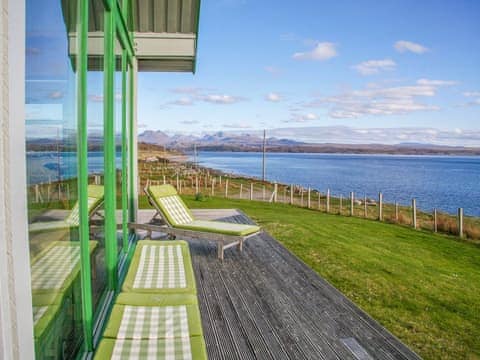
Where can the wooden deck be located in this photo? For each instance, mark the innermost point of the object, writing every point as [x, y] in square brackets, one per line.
[265, 303]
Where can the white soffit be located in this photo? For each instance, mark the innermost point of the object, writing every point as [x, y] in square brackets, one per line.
[166, 34]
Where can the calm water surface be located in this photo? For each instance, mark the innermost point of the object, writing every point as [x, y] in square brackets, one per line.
[444, 182]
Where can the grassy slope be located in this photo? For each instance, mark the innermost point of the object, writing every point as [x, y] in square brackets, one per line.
[424, 288]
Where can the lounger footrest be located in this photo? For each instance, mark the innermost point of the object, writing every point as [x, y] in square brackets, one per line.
[189, 348]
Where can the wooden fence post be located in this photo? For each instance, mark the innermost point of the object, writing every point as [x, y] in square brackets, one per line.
[164, 180]
[365, 211]
[328, 201]
[460, 222]
[341, 205]
[196, 184]
[37, 194]
[414, 213]
[380, 206]
[220, 183]
[178, 185]
[213, 186]
[284, 194]
[291, 194]
[241, 190]
[263, 192]
[309, 199]
[396, 211]
[319, 197]
[352, 199]
[301, 197]
[275, 190]
[435, 220]
[251, 191]
[226, 188]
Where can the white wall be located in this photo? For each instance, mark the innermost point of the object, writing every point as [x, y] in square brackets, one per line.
[16, 328]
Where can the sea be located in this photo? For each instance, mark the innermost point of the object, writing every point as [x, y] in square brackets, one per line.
[442, 182]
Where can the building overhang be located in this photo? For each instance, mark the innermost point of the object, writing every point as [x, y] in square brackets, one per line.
[165, 51]
[165, 34]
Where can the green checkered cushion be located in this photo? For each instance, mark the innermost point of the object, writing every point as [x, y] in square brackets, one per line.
[50, 226]
[153, 322]
[185, 348]
[160, 267]
[220, 227]
[95, 197]
[171, 205]
[54, 269]
[38, 312]
[150, 316]
[45, 311]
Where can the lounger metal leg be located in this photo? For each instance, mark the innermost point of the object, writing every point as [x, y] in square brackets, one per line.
[220, 250]
[240, 245]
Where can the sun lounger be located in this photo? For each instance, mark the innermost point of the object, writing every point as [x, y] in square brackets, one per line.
[179, 221]
[95, 201]
[157, 315]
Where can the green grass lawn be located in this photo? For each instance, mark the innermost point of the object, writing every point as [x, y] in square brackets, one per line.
[423, 287]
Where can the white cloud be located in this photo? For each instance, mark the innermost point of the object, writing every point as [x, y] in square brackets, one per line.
[404, 46]
[189, 122]
[436, 82]
[238, 125]
[349, 135]
[321, 52]
[222, 99]
[273, 97]
[187, 90]
[371, 67]
[472, 102]
[396, 100]
[184, 101]
[272, 70]
[472, 94]
[296, 117]
[56, 95]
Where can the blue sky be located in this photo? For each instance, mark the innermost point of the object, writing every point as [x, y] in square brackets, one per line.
[335, 64]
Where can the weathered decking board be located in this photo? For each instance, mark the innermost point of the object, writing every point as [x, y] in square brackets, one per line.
[264, 303]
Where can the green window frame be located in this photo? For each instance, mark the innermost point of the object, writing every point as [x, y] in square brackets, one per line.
[115, 24]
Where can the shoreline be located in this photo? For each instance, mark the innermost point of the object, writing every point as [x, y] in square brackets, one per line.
[214, 182]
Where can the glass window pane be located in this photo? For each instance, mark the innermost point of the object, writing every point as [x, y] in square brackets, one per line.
[51, 132]
[119, 133]
[96, 160]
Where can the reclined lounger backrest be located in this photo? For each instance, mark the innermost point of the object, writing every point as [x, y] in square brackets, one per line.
[95, 198]
[166, 199]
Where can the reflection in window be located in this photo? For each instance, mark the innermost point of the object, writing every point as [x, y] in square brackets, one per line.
[96, 158]
[51, 127]
[119, 118]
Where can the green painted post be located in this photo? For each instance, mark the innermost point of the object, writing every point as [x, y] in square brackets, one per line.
[109, 152]
[132, 167]
[85, 269]
[124, 154]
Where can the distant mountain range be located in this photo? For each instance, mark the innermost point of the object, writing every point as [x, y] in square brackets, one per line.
[230, 141]
[235, 141]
